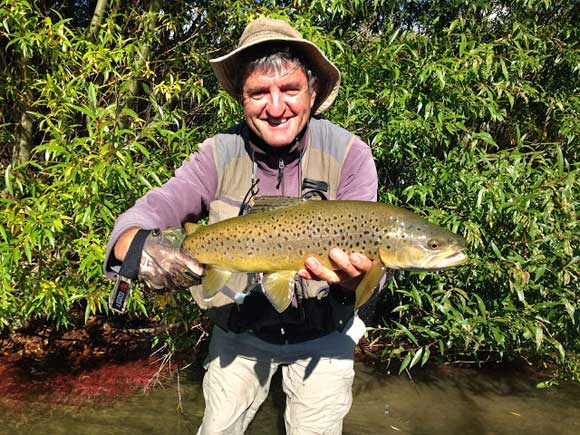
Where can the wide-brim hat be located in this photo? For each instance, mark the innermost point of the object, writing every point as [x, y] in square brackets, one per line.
[271, 31]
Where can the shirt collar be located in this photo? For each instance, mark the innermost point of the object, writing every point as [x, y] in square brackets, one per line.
[269, 155]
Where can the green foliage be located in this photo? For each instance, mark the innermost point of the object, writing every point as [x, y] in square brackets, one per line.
[472, 110]
[518, 298]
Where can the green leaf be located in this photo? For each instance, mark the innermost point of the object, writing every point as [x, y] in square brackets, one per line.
[484, 136]
[481, 305]
[539, 334]
[8, 179]
[496, 250]
[570, 309]
[27, 250]
[92, 94]
[406, 332]
[416, 357]
[426, 355]
[560, 348]
[400, 308]
[405, 362]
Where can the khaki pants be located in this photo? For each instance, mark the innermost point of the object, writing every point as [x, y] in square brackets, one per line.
[317, 379]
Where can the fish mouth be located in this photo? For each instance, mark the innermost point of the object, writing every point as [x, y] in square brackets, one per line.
[456, 258]
[419, 259]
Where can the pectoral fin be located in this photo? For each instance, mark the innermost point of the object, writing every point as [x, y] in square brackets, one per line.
[213, 280]
[279, 288]
[370, 281]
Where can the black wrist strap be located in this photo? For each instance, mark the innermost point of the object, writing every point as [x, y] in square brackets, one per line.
[130, 266]
[129, 271]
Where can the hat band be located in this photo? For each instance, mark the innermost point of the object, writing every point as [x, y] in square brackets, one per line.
[265, 36]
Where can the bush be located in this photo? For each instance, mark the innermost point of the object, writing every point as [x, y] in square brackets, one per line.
[471, 108]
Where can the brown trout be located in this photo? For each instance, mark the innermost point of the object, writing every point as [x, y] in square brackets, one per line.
[279, 234]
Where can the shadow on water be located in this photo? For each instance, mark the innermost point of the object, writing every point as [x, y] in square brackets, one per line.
[461, 401]
[437, 401]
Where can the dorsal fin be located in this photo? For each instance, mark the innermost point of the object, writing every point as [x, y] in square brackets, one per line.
[267, 203]
[190, 228]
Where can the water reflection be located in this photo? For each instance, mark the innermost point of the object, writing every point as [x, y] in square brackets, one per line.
[459, 401]
[442, 401]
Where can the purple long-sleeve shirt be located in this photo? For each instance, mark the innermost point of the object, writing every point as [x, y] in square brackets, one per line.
[187, 195]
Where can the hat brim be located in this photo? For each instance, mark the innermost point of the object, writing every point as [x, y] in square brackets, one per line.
[227, 69]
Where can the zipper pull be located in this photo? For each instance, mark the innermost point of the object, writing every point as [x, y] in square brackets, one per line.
[280, 176]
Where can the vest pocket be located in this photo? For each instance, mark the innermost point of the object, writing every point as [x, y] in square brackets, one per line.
[220, 210]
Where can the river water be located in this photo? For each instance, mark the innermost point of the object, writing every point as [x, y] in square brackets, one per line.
[436, 401]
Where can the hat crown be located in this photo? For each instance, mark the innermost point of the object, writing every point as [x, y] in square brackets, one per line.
[263, 29]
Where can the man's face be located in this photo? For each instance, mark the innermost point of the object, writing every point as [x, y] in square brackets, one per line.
[277, 104]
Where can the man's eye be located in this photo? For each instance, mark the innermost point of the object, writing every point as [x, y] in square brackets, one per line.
[292, 91]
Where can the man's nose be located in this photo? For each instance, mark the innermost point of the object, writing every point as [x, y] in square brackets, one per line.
[276, 105]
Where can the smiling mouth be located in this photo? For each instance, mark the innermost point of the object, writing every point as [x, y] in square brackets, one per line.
[276, 123]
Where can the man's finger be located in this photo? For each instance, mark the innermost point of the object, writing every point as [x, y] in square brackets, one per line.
[305, 274]
[344, 262]
[361, 262]
[319, 271]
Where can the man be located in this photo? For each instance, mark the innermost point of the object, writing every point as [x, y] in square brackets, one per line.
[281, 80]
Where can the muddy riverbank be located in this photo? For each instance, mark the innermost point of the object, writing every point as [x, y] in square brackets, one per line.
[102, 360]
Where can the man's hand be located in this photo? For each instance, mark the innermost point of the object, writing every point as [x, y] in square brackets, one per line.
[164, 265]
[351, 269]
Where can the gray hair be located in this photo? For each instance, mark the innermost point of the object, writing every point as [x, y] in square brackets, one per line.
[274, 59]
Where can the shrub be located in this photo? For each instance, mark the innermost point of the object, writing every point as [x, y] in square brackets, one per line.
[471, 108]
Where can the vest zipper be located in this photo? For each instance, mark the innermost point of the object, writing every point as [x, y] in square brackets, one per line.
[280, 176]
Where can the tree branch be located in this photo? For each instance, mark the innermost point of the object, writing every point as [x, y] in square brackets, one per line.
[100, 9]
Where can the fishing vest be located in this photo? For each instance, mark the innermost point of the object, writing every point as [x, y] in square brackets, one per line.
[322, 160]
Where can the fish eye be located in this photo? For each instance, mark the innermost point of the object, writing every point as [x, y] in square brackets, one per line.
[433, 244]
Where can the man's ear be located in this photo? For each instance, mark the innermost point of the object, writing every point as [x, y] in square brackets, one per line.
[313, 93]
